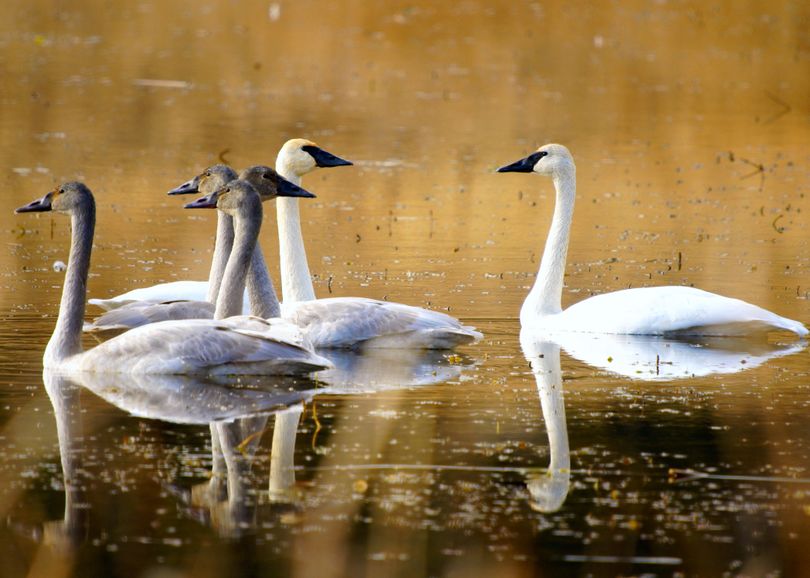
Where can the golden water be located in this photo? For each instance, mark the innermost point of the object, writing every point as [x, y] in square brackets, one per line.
[689, 124]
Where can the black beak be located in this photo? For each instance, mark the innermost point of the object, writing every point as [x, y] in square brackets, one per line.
[287, 189]
[525, 165]
[324, 159]
[38, 206]
[207, 202]
[187, 188]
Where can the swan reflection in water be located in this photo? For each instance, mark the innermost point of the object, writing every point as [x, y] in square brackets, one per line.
[237, 417]
[231, 412]
[646, 358]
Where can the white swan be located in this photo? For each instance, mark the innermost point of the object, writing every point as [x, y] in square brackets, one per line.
[345, 322]
[641, 311]
[238, 345]
[259, 297]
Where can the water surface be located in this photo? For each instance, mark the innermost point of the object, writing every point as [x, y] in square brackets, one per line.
[689, 125]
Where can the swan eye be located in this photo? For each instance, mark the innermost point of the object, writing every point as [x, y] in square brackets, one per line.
[266, 176]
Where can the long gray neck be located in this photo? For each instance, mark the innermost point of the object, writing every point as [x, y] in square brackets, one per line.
[66, 339]
[296, 281]
[65, 398]
[246, 231]
[222, 249]
[262, 293]
[545, 298]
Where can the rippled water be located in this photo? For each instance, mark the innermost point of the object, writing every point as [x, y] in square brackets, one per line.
[689, 125]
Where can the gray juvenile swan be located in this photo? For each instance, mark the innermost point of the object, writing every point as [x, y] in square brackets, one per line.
[240, 345]
[260, 295]
[642, 311]
[343, 322]
[213, 178]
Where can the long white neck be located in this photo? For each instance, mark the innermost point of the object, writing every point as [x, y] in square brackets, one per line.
[548, 375]
[296, 282]
[66, 339]
[545, 298]
[222, 249]
[550, 490]
[246, 231]
[261, 291]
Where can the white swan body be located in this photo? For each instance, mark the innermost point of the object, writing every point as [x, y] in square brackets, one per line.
[346, 321]
[194, 346]
[670, 311]
[642, 311]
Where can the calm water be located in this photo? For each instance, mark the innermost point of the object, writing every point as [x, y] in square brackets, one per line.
[690, 128]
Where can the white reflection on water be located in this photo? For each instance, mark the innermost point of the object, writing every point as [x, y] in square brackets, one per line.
[646, 358]
[237, 417]
[651, 358]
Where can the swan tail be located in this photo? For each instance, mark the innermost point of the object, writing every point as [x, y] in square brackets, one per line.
[440, 338]
[106, 304]
[796, 327]
[137, 314]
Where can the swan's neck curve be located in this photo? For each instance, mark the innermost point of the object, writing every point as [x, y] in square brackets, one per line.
[296, 282]
[66, 340]
[222, 249]
[261, 291]
[545, 297]
[246, 232]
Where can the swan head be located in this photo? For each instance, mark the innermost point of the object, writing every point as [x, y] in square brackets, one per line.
[551, 160]
[269, 184]
[301, 156]
[213, 178]
[65, 198]
[238, 199]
